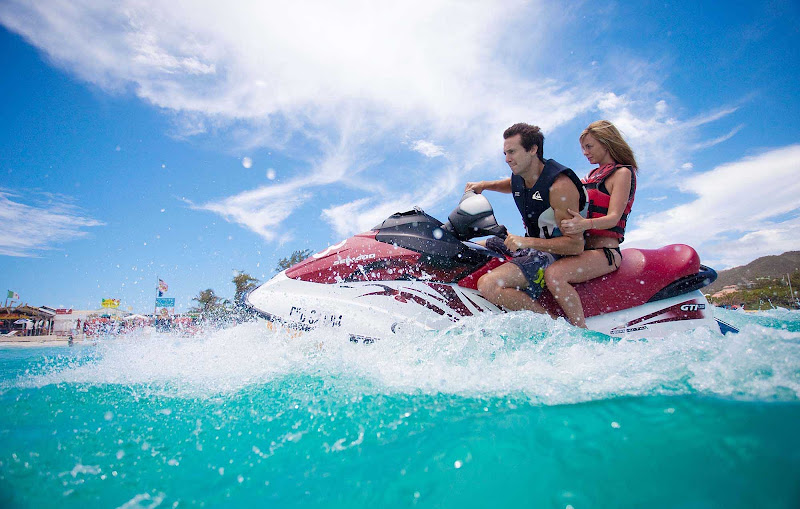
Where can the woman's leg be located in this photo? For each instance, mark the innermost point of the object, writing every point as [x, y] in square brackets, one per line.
[576, 269]
[500, 288]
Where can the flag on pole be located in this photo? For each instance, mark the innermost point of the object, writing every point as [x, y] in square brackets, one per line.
[162, 287]
[12, 295]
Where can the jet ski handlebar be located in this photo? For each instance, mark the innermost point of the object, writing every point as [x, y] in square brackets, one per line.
[474, 217]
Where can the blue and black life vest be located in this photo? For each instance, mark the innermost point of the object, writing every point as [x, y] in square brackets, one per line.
[534, 203]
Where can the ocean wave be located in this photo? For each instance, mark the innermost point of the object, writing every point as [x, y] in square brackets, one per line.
[522, 354]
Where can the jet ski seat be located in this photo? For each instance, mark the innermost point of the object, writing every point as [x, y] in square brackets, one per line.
[645, 275]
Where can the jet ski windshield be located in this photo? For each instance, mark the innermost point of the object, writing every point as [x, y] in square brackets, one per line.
[473, 217]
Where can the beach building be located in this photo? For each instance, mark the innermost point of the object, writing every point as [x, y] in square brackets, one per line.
[25, 320]
[726, 290]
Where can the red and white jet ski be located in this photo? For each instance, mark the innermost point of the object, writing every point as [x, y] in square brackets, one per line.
[413, 271]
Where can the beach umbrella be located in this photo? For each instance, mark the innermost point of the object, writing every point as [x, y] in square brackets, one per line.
[23, 320]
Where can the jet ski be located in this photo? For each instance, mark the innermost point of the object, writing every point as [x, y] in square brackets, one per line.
[413, 272]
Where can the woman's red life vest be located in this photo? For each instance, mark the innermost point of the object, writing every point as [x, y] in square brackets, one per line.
[599, 199]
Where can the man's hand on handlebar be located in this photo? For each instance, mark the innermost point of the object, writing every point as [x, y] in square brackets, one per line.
[513, 242]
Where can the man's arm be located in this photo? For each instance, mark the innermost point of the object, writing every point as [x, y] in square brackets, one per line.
[500, 186]
[563, 195]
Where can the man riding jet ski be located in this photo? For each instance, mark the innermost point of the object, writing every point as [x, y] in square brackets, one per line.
[414, 272]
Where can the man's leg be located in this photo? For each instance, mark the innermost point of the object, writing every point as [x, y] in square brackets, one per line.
[500, 287]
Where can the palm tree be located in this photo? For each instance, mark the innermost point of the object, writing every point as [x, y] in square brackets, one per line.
[244, 282]
[294, 259]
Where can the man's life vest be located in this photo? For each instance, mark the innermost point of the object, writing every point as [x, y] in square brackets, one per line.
[534, 203]
[600, 198]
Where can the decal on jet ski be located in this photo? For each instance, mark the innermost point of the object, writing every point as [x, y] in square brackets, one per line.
[313, 317]
[359, 258]
[480, 309]
[688, 310]
[330, 249]
[451, 297]
[446, 296]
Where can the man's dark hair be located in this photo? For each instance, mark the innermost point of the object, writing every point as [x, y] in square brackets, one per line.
[531, 135]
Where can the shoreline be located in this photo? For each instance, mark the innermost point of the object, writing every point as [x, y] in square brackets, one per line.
[42, 341]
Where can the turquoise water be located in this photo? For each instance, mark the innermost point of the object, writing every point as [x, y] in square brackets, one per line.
[486, 415]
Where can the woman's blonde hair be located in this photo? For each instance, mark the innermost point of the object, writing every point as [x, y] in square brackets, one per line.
[609, 136]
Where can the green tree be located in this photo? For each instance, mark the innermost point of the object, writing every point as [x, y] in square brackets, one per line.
[244, 282]
[764, 293]
[240, 312]
[295, 258]
[210, 305]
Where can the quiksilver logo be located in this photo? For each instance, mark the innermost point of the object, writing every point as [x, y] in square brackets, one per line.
[537, 196]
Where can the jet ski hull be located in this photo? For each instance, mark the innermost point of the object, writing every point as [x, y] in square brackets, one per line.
[382, 309]
[376, 309]
[413, 272]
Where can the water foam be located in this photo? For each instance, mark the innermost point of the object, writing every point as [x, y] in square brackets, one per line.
[519, 354]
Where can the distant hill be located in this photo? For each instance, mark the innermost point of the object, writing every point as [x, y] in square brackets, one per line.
[766, 266]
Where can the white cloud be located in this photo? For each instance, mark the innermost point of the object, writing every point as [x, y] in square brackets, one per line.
[660, 139]
[742, 210]
[427, 148]
[29, 229]
[340, 84]
[775, 239]
[362, 214]
[350, 218]
[261, 210]
[718, 140]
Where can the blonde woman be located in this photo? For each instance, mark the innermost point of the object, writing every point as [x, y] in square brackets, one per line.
[610, 188]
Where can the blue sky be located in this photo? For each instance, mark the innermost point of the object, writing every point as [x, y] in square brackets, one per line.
[187, 141]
